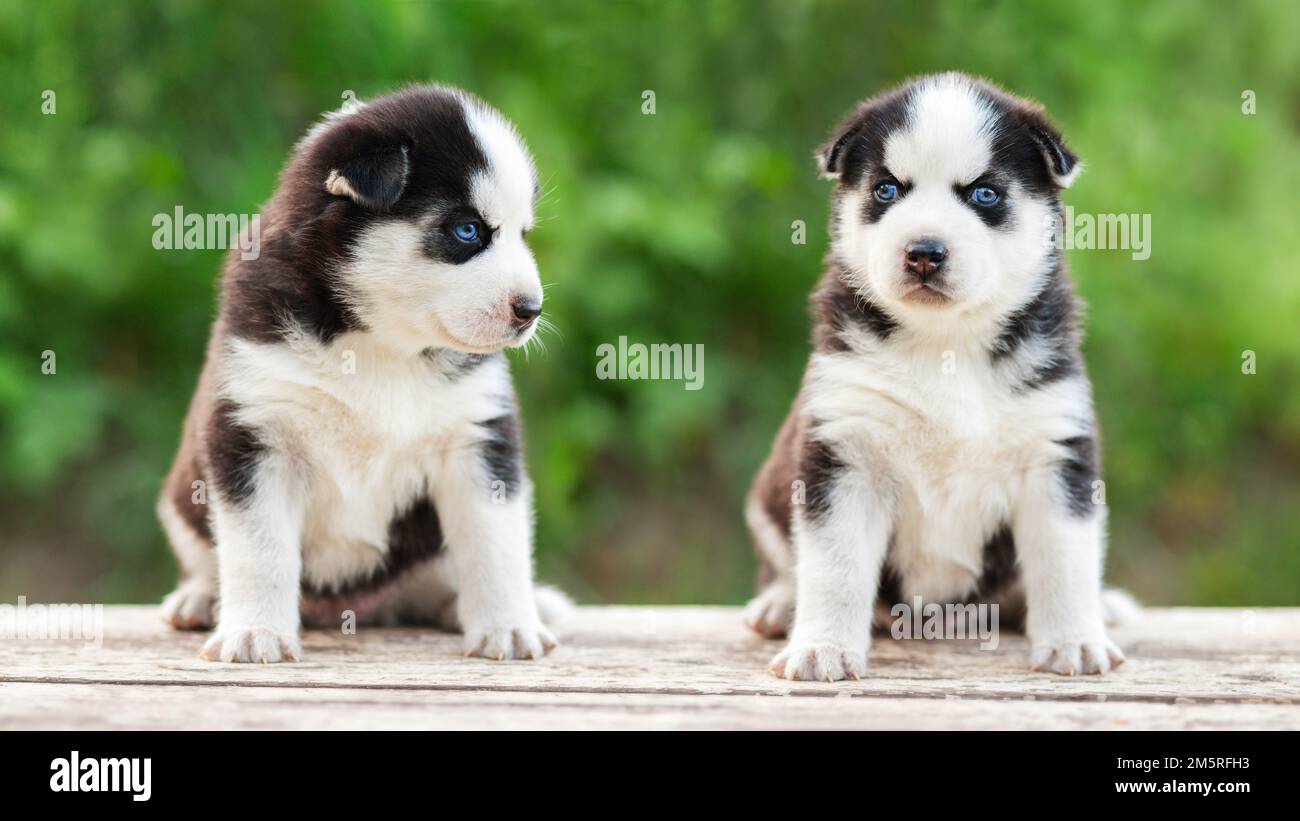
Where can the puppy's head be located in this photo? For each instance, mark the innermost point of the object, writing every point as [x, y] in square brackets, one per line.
[418, 205]
[945, 190]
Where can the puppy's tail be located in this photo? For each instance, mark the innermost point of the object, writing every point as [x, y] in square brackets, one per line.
[553, 606]
[1118, 607]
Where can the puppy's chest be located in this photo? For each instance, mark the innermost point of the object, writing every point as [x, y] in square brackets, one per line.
[356, 432]
[928, 419]
[368, 440]
[953, 448]
[375, 459]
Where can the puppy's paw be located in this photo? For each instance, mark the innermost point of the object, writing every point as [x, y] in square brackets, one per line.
[192, 606]
[501, 643]
[251, 644]
[1094, 655]
[771, 612]
[801, 661]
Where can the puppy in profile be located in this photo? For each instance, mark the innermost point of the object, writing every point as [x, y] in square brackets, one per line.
[353, 446]
[943, 443]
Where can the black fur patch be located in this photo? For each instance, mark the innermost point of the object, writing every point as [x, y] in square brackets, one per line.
[838, 307]
[264, 296]
[1077, 472]
[455, 364]
[890, 589]
[233, 452]
[414, 536]
[999, 564]
[378, 177]
[1053, 147]
[1050, 318]
[819, 467]
[1018, 142]
[858, 148]
[503, 452]
[415, 532]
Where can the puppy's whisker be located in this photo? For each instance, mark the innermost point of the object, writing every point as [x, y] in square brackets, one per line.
[545, 326]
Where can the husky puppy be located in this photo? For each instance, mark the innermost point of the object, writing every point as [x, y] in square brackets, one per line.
[353, 445]
[943, 443]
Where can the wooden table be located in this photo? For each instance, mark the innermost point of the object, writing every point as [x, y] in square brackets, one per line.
[655, 668]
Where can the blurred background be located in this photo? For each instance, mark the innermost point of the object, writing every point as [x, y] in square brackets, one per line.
[671, 227]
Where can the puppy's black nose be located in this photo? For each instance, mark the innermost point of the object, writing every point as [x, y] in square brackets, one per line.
[525, 311]
[925, 257]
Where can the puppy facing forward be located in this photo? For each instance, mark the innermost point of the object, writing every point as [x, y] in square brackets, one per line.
[943, 443]
[353, 450]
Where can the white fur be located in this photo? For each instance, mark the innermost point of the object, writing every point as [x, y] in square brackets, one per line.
[839, 561]
[505, 193]
[260, 568]
[422, 303]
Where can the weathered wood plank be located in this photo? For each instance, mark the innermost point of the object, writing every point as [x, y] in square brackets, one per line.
[656, 667]
[226, 707]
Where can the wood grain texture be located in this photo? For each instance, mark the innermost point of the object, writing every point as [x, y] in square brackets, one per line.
[655, 668]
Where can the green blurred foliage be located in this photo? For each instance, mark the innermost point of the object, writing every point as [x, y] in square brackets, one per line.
[674, 227]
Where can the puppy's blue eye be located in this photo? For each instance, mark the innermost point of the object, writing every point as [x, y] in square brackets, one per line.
[886, 192]
[466, 231]
[985, 196]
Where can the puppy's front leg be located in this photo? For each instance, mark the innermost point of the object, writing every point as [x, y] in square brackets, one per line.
[486, 512]
[1060, 541]
[840, 534]
[258, 531]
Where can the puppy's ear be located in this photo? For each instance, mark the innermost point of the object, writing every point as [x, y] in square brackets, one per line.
[830, 157]
[375, 180]
[862, 131]
[1062, 163]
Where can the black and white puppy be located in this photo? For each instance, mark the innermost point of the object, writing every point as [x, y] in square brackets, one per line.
[943, 443]
[353, 444]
